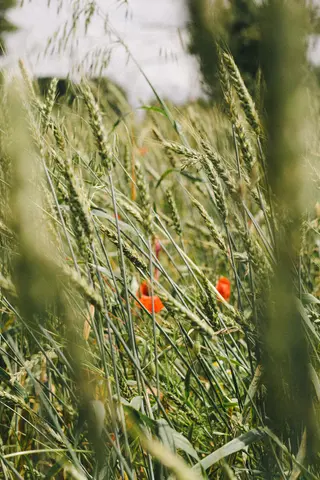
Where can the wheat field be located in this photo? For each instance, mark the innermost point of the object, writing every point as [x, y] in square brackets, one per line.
[159, 283]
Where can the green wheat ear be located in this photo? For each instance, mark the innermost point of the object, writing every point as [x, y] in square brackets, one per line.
[216, 235]
[174, 212]
[97, 127]
[243, 93]
[145, 200]
[79, 206]
[26, 78]
[7, 286]
[242, 138]
[49, 103]
[216, 187]
[131, 209]
[219, 165]
[129, 252]
[127, 163]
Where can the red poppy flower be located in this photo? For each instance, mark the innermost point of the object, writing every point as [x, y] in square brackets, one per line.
[146, 299]
[143, 290]
[224, 287]
[143, 151]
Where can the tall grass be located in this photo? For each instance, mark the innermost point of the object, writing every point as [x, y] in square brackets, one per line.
[125, 352]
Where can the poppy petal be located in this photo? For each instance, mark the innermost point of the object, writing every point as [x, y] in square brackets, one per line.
[158, 305]
[143, 289]
[224, 287]
[146, 301]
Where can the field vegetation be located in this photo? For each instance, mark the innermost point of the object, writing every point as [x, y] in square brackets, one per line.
[159, 276]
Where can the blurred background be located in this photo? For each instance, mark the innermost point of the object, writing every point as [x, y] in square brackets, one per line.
[155, 32]
[158, 34]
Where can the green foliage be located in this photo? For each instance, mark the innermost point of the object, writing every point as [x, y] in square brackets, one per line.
[207, 25]
[237, 25]
[244, 38]
[234, 23]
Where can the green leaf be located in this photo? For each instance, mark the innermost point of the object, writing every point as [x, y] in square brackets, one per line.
[252, 390]
[241, 256]
[177, 170]
[308, 299]
[141, 419]
[136, 402]
[239, 443]
[187, 381]
[54, 470]
[165, 174]
[306, 318]
[315, 380]
[182, 443]
[165, 434]
[175, 440]
[97, 212]
[191, 177]
[14, 386]
[4, 375]
[154, 109]
[278, 442]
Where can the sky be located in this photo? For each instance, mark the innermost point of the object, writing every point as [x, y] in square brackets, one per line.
[154, 30]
